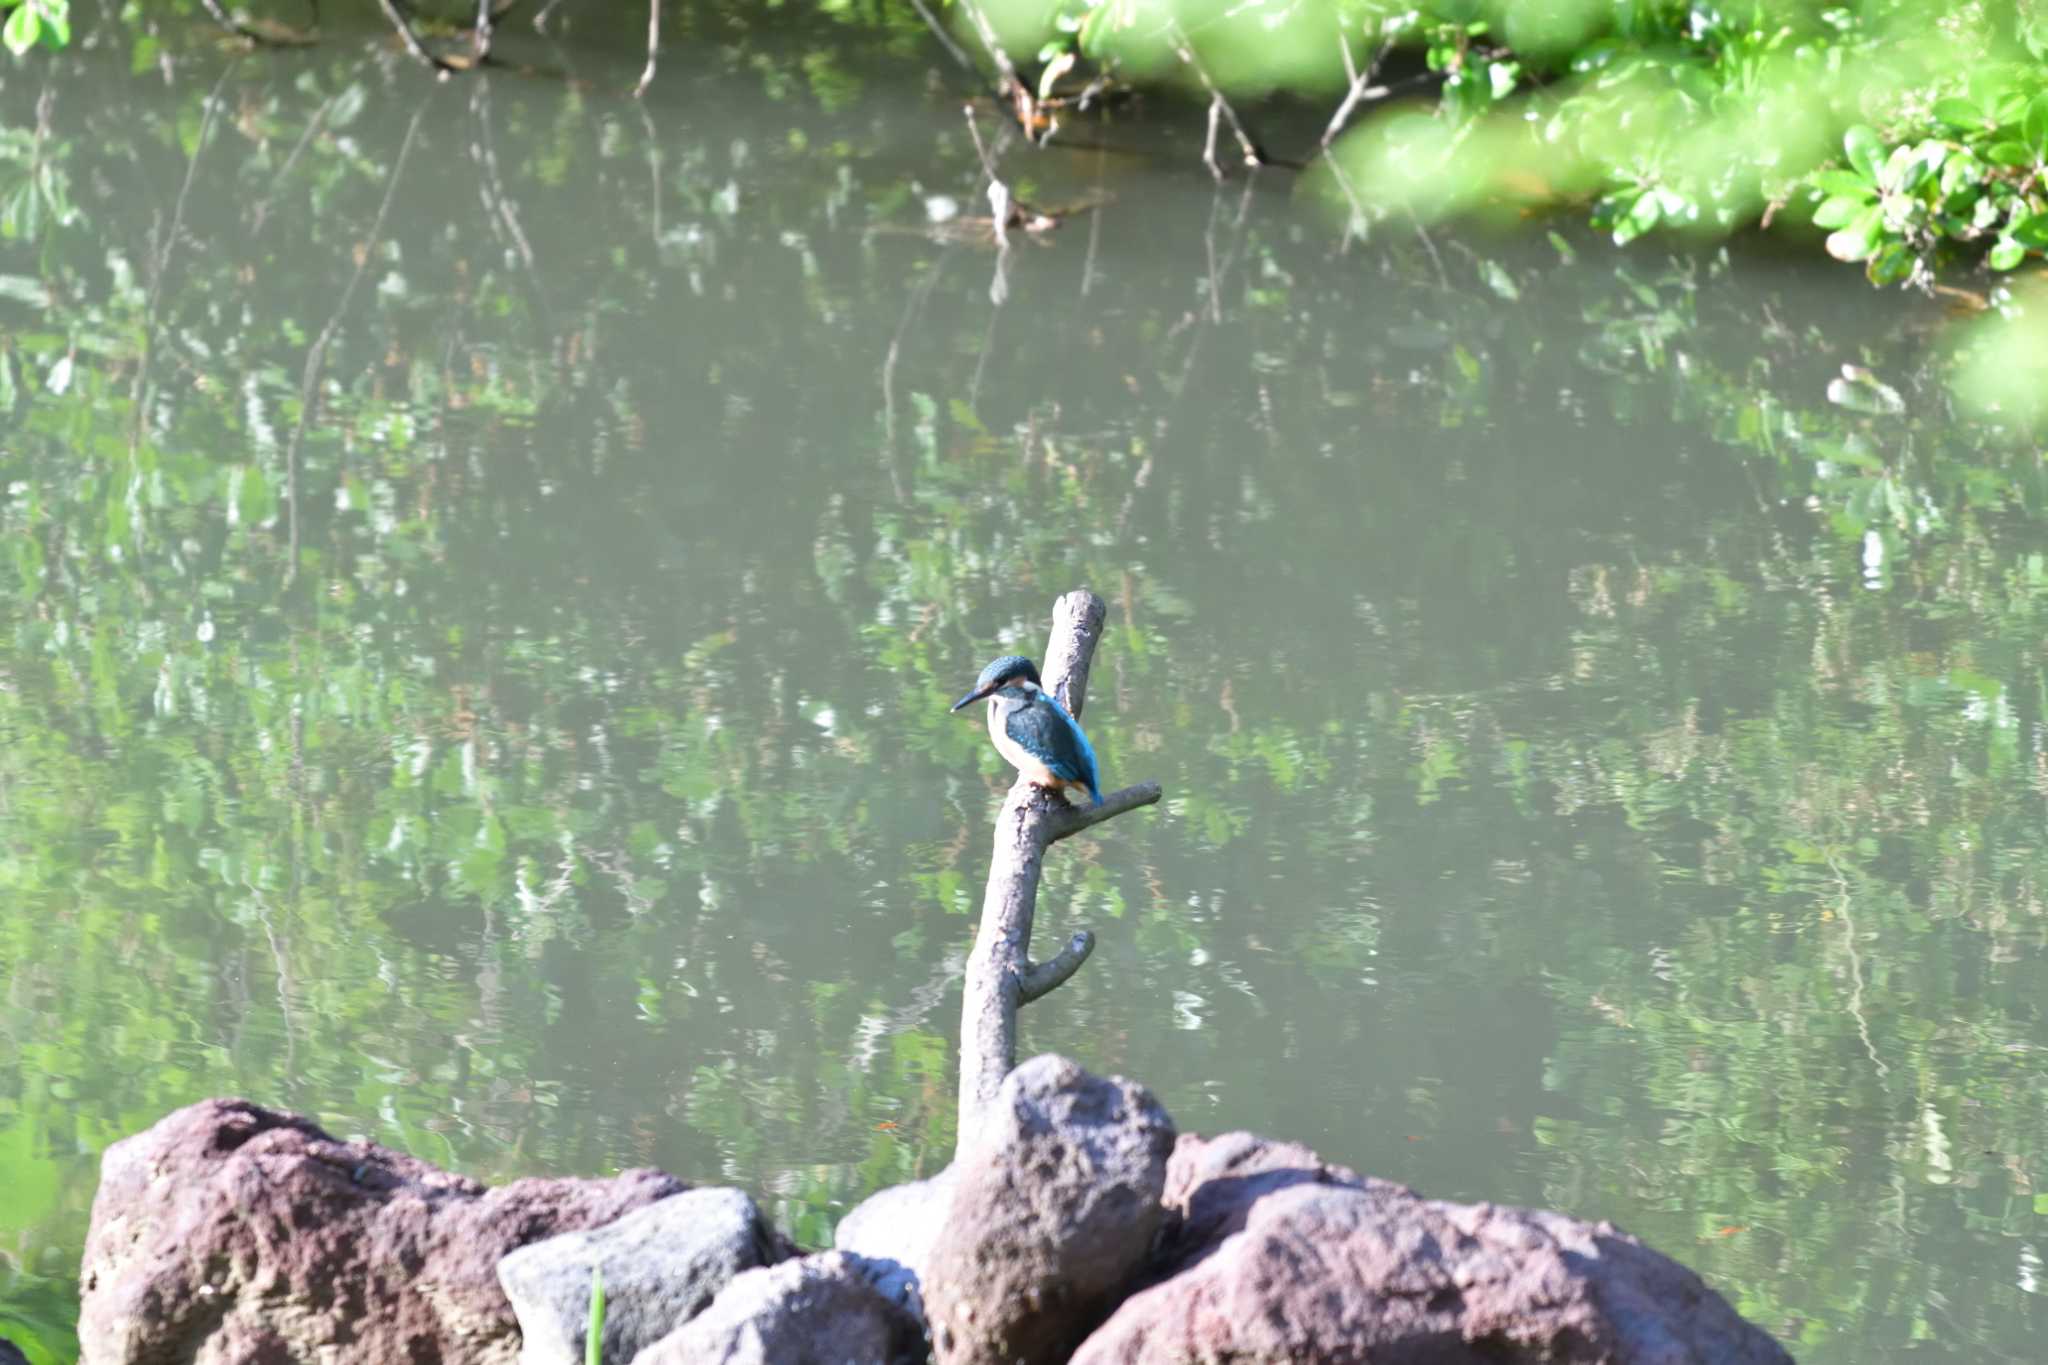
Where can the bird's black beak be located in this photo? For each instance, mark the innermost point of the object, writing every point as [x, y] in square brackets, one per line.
[972, 697]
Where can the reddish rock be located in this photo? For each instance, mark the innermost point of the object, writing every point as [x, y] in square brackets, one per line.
[1212, 1184]
[1272, 1257]
[229, 1233]
[1051, 1213]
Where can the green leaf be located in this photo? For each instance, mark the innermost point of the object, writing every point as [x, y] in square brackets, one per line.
[56, 22]
[1696, 83]
[1960, 114]
[1856, 241]
[24, 289]
[2035, 126]
[2006, 254]
[2000, 95]
[255, 499]
[2010, 154]
[2031, 232]
[1963, 172]
[1891, 264]
[22, 28]
[1866, 153]
[1834, 182]
[593, 1334]
[1927, 160]
[1498, 280]
[1838, 211]
[1095, 28]
[1057, 65]
[1640, 218]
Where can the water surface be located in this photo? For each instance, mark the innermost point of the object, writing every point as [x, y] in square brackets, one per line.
[486, 566]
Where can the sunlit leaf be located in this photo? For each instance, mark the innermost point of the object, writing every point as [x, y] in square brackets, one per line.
[1960, 114]
[1498, 280]
[1836, 182]
[23, 27]
[1866, 153]
[1858, 390]
[1840, 210]
[24, 289]
[2031, 231]
[1640, 218]
[2034, 128]
[1856, 241]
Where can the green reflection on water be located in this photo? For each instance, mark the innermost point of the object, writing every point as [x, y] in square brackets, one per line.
[1602, 740]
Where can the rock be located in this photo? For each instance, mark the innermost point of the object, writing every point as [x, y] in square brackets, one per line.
[894, 1230]
[662, 1265]
[231, 1233]
[1212, 1184]
[1053, 1210]
[820, 1310]
[10, 1354]
[1285, 1260]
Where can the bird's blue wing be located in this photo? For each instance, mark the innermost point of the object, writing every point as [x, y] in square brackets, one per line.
[1046, 730]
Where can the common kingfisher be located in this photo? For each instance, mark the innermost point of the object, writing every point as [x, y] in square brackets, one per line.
[1032, 730]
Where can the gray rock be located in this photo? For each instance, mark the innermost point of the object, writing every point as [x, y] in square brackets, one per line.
[894, 1231]
[662, 1266]
[231, 1233]
[1284, 1260]
[1053, 1211]
[820, 1310]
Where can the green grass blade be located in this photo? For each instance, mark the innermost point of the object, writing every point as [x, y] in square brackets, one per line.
[593, 1335]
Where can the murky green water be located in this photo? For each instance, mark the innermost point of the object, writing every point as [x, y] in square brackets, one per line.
[485, 567]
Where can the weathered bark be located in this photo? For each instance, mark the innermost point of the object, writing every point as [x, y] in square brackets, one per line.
[1001, 976]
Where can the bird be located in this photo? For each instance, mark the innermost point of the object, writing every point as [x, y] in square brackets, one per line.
[1032, 730]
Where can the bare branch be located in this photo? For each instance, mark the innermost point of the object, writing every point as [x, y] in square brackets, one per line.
[230, 23]
[938, 29]
[1064, 824]
[1000, 974]
[1219, 108]
[1209, 143]
[397, 18]
[1009, 84]
[480, 40]
[653, 47]
[1076, 625]
[1046, 977]
[1361, 87]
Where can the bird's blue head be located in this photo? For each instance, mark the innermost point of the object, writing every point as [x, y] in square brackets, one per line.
[1001, 673]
